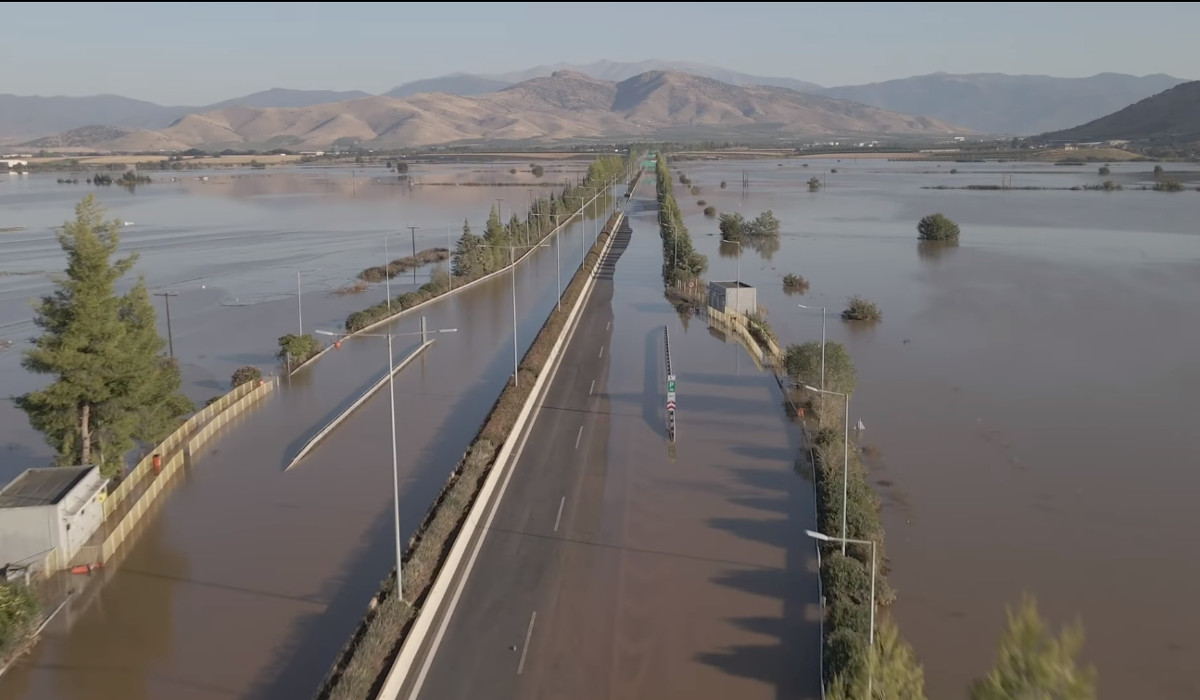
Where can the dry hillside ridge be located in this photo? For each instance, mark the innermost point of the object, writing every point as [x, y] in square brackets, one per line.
[566, 105]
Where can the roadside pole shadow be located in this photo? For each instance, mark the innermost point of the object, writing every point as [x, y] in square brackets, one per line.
[654, 381]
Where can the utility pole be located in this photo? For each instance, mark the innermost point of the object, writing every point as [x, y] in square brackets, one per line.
[413, 231]
[167, 299]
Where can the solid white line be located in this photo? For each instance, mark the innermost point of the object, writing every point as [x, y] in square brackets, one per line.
[558, 518]
[525, 649]
[608, 325]
[601, 351]
[578, 436]
[592, 387]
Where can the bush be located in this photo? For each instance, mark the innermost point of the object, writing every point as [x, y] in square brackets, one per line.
[537, 170]
[512, 171]
[722, 184]
[803, 362]
[1168, 186]
[861, 309]
[814, 184]
[845, 654]
[855, 617]
[936, 227]
[710, 211]
[694, 190]
[248, 373]
[794, 284]
[1104, 170]
[20, 612]
[297, 349]
[845, 579]
[701, 203]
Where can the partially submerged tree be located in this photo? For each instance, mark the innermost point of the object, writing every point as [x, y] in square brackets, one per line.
[112, 385]
[803, 362]
[937, 227]
[1031, 662]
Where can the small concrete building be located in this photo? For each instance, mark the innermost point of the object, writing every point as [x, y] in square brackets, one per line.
[53, 509]
[736, 298]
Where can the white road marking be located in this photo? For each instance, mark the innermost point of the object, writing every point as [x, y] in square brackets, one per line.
[608, 325]
[525, 649]
[558, 518]
[579, 435]
[601, 351]
[592, 387]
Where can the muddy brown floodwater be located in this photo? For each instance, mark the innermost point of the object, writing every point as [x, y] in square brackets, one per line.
[249, 579]
[1031, 395]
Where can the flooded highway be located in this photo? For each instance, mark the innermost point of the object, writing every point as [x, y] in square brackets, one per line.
[614, 570]
[250, 579]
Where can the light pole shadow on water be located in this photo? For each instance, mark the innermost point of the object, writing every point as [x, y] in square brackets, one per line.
[792, 662]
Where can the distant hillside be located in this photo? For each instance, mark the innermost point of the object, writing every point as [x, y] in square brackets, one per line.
[458, 84]
[282, 97]
[1171, 115]
[23, 118]
[27, 117]
[1008, 104]
[112, 138]
[616, 71]
[566, 105]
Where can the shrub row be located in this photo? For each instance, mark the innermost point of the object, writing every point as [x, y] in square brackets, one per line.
[398, 266]
[364, 661]
[681, 262]
[372, 314]
[845, 579]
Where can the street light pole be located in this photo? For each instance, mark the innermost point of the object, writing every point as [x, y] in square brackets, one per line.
[874, 566]
[450, 256]
[167, 299]
[395, 461]
[413, 230]
[813, 308]
[387, 275]
[845, 457]
[512, 264]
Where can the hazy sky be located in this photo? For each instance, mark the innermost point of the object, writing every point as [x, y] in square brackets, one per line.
[198, 53]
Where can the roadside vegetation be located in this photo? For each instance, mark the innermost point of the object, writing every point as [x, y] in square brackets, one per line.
[242, 375]
[710, 211]
[20, 614]
[937, 227]
[681, 262]
[1031, 662]
[112, 385]
[814, 184]
[368, 655]
[861, 309]
[475, 256]
[794, 284]
[295, 350]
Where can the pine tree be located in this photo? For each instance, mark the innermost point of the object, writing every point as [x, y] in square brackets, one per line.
[111, 384]
[466, 260]
[1032, 664]
[495, 235]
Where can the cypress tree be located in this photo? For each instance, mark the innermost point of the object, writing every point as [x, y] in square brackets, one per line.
[112, 384]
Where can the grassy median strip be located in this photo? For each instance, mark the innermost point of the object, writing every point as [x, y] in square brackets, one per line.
[363, 663]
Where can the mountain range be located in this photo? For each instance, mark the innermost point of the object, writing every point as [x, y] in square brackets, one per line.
[1173, 115]
[987, 103]
[566, 105]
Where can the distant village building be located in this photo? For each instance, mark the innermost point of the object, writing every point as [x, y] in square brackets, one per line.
[53, 510]
[736, 298]
[13, 162]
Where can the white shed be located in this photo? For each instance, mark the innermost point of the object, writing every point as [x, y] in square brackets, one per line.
[44, 510]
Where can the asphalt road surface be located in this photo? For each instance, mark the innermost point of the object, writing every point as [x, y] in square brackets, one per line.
[611, 570]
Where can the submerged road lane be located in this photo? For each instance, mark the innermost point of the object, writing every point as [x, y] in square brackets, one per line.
[249, 580]
[611, 571]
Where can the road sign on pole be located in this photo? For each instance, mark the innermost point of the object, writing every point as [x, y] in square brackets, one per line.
[671, 384]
